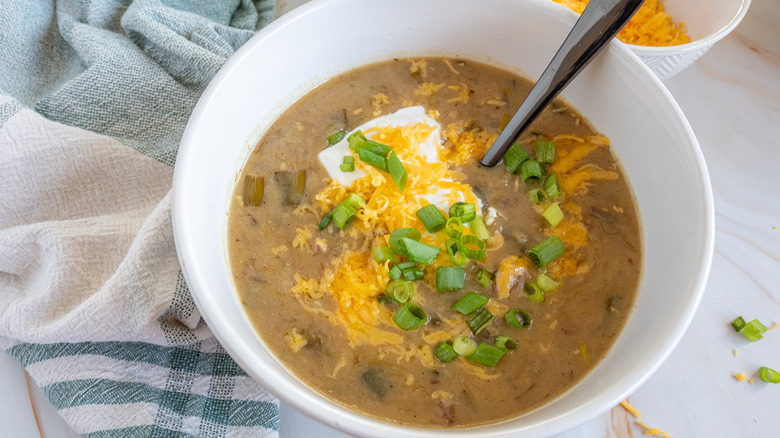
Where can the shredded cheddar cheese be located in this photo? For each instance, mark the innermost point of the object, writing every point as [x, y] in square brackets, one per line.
[650, 26]
[295, 341]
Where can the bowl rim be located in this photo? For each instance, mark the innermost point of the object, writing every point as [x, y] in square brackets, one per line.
[696, 44]
[221, 329]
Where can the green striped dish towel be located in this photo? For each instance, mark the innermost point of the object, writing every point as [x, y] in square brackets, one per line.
[94, 96]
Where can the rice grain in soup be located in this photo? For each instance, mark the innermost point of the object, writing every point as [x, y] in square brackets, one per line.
[319, 297]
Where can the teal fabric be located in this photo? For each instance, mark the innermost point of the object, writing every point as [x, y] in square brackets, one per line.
[133, 71]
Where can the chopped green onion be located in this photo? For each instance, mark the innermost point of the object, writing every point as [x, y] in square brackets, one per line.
[456, 251]
[738, 324]
[253, 190]
[376, 148]
[382, 299]
[454, 227]
[432, 218]
[449, 278]
[547, 251]
[372, 159]
[518, 318]
[478, 320]
[469, 241]
[483, 277]
[544, 151]
[514, 157]
[413, 274]
[463, 210]
[444, 351]
[487, 355]
[553, 214]
[343, 215]
[533, 292]
[400, 233]
[382, 254]
[464, 345]
[469, 303]
[754, 330]
[406, 266]
[418, 252]
[505, 343]
[397, 170]
[325, 221]
[336, 137]
[291, 185]
[547, 284]
[348, 164]
[395, 272]
[537, 196]
[354, 201]
[531, 169]
[552, 188]
[769, 375]
[409, 317]
[400, 290]
[480, 230]
[356, 140]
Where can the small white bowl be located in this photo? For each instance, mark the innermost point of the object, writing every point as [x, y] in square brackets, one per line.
[707, 22]
[617, 93]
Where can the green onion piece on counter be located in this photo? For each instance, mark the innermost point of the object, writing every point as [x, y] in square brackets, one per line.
[769, 375]
[738, 324]
[400, 233]
[444, 351]
[395, 272]
[464, 345]
[376, 148]
[548, 251]
[478, 320]
[400, 290]
[518, 318]
[470, 302]
[547, 284]
[531, 169]
[506, 343]
[382, 254]
[480, 230]
[253, 190]
[413, 274]
[397, 170]
[409, 317]
[483, 277]
[552, 188]
[553, 214]
[514, 157]
[336, 137]
[754, 330]
[348, 164]
[544, 151]
[372, 159]
[473, 247]
[418, 252]
[431, 218]
[487, 355]
[537, 196]
[454, 227]
[325, 221]
[456, 251]
[343, 215]
[356, 140]
[463, 210]
[533, 292]
[449, 278]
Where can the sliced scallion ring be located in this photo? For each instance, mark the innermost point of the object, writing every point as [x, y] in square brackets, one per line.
[470, 302]
[400, 290]
[518, 318]
[478, 320]
[456, 251]
[473, 247]
[487, 355]
[505, 343]
[432, 218]
[514, 157]
[449, 278]
[483, 277]
[418, 252]
[544, 151]
[533, 292]
[769, 375]
[546, 252]
[445, 352]
[454, 227]
[409, 317]
[463, 210]
[464, 345]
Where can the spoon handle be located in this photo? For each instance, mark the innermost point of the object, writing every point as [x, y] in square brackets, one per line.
[600, 21]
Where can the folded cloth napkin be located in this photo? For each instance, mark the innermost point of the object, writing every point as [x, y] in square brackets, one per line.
[94, 96]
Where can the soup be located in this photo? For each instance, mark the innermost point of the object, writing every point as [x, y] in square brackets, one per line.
[389, 271]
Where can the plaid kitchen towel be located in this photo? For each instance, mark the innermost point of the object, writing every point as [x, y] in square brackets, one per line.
[94, 96]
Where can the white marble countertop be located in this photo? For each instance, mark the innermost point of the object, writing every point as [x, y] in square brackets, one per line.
[731, 97]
